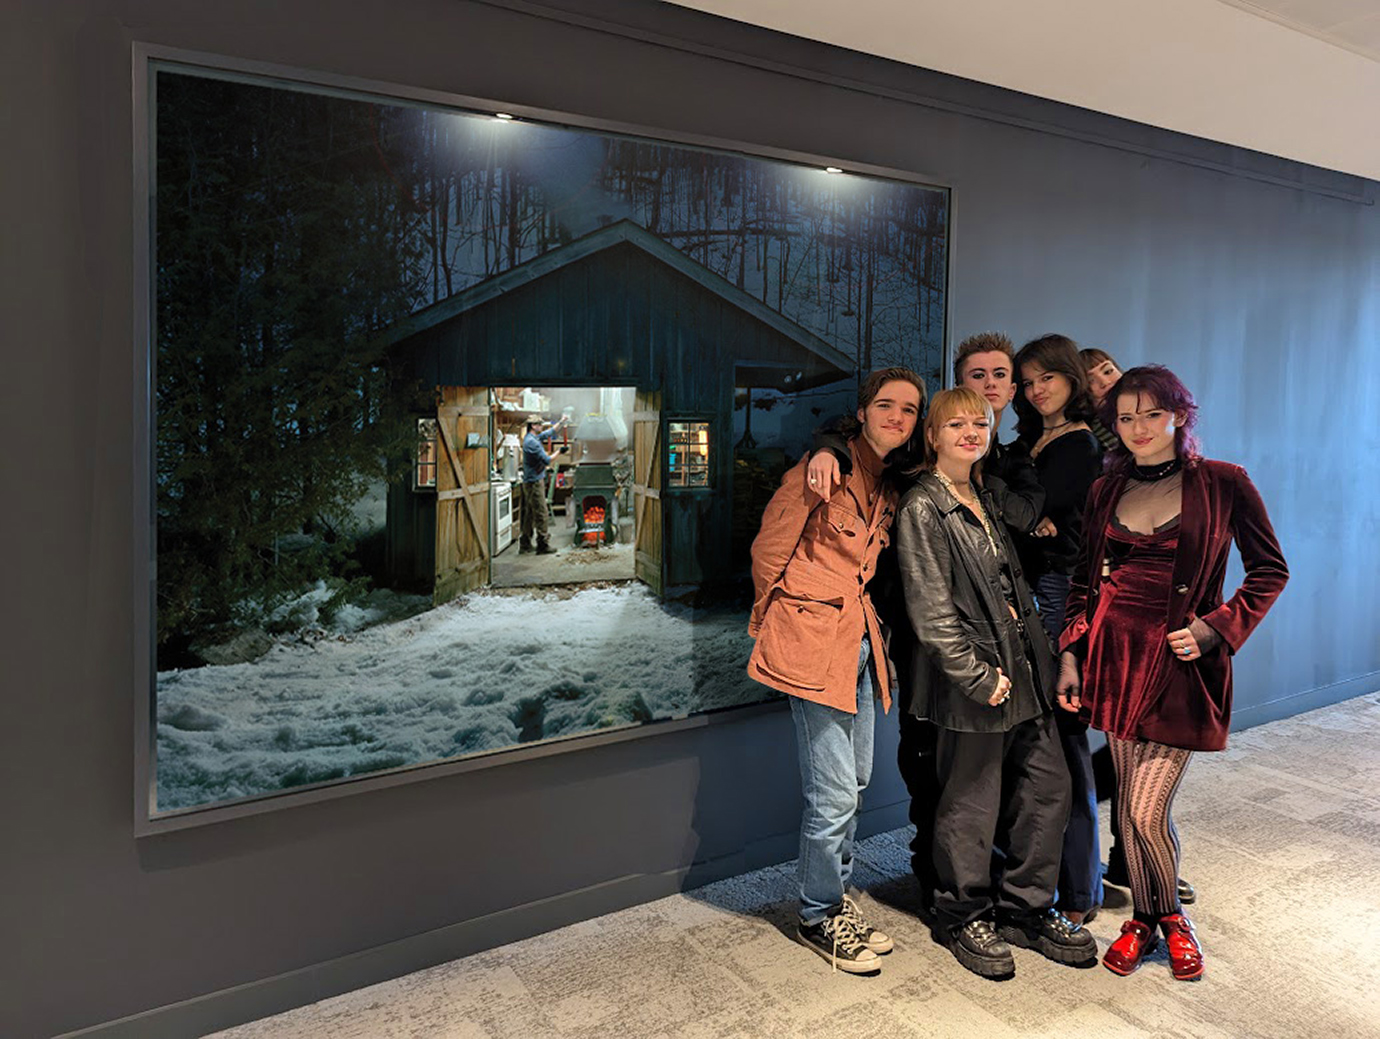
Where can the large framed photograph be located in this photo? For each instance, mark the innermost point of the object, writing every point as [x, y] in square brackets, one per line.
[462, 424]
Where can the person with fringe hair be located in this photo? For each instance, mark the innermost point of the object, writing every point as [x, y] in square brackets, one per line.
[1103, 372]
[983, 675]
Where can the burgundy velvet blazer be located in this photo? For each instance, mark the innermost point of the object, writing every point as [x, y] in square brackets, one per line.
[1220, 504]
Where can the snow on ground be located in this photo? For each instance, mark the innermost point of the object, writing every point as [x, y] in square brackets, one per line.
[380, 605]
[485, 672]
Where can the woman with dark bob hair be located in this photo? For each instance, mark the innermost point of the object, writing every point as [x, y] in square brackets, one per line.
[1147, 620]
[1054, 409]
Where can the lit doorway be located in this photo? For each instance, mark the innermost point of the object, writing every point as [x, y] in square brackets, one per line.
[586, 492]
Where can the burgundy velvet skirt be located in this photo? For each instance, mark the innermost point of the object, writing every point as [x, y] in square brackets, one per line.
[1129, 668]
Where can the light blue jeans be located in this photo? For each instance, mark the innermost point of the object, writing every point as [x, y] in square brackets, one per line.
[835, 750]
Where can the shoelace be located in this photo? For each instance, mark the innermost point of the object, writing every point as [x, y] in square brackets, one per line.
[843, 933]
[855, 917]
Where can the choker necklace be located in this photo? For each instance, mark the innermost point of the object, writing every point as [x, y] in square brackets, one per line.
[1061, 425]
[1151, 473]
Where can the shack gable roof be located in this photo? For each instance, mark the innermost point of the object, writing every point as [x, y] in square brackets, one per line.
[621, 232]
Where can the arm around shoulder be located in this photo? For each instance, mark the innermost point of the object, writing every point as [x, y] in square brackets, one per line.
[833, 437]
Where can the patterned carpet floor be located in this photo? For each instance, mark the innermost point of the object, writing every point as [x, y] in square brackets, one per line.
[1281, 837]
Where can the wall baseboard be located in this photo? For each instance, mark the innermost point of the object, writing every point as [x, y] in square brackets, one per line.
[282, 992]
[1308, 700]
[267, 996]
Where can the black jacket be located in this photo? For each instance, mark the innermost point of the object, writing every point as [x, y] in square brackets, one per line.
[963, 629]
[1019, 494]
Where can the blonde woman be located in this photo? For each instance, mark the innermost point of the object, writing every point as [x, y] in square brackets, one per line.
[984, 676]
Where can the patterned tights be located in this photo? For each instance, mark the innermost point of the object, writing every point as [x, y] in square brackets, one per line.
[1148, 775]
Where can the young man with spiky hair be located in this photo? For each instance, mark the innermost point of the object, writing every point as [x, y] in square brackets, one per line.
[985, 363]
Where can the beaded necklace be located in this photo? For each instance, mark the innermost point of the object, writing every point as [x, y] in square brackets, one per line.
[1151, 473]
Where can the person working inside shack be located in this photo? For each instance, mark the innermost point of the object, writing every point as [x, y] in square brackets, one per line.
[532, 494]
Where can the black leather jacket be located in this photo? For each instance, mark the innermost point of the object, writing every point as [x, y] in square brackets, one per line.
[964, 631]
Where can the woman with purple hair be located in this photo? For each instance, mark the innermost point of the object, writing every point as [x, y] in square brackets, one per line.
[1146, 618]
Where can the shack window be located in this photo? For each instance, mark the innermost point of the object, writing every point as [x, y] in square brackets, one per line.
[687, 455]
[424, 475]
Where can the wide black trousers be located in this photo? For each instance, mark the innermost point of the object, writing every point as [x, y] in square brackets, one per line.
[915, 761]
[1008, 790]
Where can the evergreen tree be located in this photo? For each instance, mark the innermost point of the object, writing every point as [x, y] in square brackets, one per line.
[283, 246]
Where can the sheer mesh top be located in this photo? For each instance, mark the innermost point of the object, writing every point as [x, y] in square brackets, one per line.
[1153, 508]
[1148, 508]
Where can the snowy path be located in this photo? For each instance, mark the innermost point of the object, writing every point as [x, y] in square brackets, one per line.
[485, 672]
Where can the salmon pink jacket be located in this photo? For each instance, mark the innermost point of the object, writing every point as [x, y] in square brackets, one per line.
[811, 563]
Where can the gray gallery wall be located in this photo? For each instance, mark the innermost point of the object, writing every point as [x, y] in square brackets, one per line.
[1257, 279]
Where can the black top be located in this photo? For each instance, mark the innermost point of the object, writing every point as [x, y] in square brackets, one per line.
[1067, 467]
[1024, 680]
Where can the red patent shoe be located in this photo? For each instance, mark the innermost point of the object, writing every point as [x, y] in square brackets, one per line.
[1137, 941]
[1185, 956]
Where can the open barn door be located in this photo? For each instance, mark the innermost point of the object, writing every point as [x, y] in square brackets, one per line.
[647, 488]
[462, 491]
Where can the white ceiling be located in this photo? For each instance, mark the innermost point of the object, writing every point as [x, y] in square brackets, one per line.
[1295, 78]
[1353, 24]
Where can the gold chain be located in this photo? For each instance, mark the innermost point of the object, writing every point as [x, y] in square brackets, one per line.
[975, 505]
